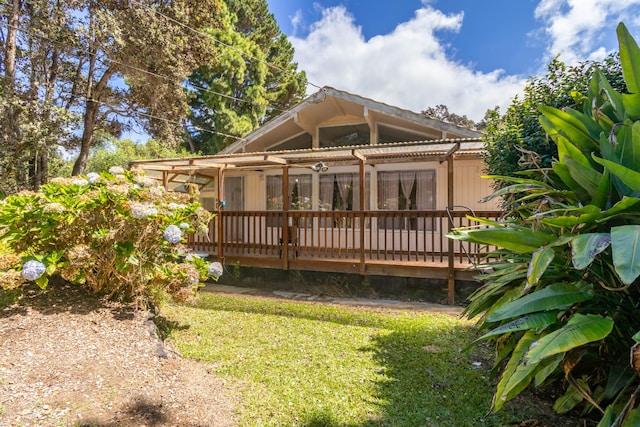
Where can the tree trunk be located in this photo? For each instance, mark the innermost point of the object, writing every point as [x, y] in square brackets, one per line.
[90, 114]
[10, 70]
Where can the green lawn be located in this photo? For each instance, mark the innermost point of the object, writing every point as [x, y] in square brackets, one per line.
[305, 364]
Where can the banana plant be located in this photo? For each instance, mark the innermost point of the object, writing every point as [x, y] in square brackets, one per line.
[562, 296]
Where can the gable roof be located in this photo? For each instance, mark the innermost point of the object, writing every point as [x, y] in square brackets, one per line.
[330, 106]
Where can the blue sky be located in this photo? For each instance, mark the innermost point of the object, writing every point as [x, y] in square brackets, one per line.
[470, 55]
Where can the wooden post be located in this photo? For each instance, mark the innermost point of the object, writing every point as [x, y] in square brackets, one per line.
[220, 221]
[165, 180]
[361, 213]
[285, 217]
[451, 285]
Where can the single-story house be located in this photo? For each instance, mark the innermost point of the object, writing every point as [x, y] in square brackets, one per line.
[341, 183]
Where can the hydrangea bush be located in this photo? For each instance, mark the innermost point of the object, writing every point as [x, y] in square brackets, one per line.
[118, 233]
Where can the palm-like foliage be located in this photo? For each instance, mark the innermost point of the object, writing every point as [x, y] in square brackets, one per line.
[561, 301]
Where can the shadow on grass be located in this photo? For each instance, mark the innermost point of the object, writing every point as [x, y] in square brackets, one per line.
[425, 380]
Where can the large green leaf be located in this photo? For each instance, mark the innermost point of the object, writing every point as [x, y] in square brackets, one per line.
[517, 188]
[586, 176]
[522, 240]
[625, 247]
[515, 376]
[629, 58]
[633, 418]
[631, 102]
[614, 97]
[568, 400]
[579, 330]
[535, 321]
[558, 122]
[562, 171]
[549, 367]
[540, 260]
[556, 296]
[626, 175]
[585, 247]
[630, 151]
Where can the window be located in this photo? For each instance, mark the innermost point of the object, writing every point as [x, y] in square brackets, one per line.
[341, 192]
[407, 190]
[299, 192]
[337, 136]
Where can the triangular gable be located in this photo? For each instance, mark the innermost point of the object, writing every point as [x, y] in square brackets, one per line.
[331, 107]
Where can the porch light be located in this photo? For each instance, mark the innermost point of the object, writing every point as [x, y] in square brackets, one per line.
[320, 166]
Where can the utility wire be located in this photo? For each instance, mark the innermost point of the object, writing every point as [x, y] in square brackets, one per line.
[141, 70]
[151, 116]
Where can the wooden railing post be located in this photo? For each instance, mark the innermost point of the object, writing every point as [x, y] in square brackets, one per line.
[220, 219]
[285, 217]
[451, 283]
[363, 265]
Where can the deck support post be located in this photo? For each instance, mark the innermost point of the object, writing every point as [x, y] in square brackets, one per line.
[451, 283]
[220, 207]
[165, 180]
[285, 218]
[361, 214]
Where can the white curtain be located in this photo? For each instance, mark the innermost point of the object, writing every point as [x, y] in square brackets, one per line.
[407, 179]
[388, 190]
[425, 190]
[274, 192]
[344, 181]
[326, 192]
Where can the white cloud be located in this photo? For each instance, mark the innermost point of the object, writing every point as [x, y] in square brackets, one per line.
[408, 67]
[584, 29]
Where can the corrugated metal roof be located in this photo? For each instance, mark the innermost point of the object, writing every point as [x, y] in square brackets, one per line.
[390, 151]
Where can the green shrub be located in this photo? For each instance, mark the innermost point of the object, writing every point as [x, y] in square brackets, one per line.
[118, 233]
[562, 296]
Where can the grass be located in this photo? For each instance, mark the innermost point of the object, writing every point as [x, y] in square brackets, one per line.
[305, 364]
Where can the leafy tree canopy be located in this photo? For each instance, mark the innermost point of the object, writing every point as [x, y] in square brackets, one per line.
[516, 142]
[248, 85]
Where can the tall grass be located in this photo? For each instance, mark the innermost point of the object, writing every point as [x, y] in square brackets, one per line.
[305, 364]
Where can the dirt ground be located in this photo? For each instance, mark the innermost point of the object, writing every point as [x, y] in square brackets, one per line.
[68, 358]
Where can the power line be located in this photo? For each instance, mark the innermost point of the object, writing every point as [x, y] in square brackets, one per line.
[209, 36]
[141, 70]
[151, 116]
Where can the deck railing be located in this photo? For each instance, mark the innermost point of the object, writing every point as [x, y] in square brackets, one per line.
[418, 236]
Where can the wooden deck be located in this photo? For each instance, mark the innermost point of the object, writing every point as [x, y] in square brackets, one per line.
[383, 243]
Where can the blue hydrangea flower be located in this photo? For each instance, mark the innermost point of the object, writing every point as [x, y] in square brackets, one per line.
[116, 170]
[184, 225]
[32, 270]
[93, 177]
[173, 234]
[79, 181]
[142, 210]
[215, 269]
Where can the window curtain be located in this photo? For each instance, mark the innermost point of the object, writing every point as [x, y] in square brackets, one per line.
[407, 179]
[345, 181]
[300, 188]
[274, 192]
[388, 190]
[425, 190]
[326, 192]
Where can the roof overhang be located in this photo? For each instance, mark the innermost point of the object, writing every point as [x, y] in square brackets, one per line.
[202, 170]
